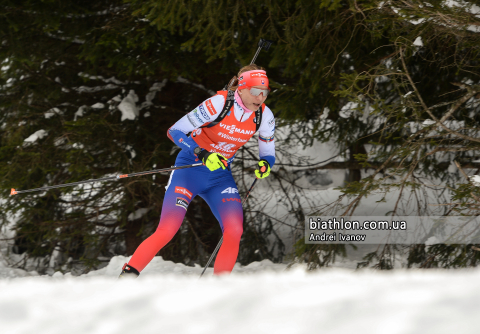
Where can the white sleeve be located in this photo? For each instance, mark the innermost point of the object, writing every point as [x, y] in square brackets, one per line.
[266, 137]
[206, 112]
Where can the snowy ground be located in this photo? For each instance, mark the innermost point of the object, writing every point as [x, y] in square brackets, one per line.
[259, 298]
[262, 297]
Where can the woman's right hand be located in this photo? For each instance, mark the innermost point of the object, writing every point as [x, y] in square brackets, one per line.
[213, 161]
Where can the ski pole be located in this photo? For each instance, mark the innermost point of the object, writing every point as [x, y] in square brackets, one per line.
[262, 44]
[123, 176]
[221, 239]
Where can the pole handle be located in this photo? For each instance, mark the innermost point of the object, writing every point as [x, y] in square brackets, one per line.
[262, 44]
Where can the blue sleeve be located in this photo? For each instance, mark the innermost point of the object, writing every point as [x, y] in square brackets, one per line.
[181, 140]
[270, 159]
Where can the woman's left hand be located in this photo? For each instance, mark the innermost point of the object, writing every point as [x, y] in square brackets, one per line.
[263, 169]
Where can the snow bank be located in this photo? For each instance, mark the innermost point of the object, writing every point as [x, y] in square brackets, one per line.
[8, 272]
[327, 301]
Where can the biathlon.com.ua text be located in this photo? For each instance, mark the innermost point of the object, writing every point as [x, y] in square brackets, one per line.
[405, 230]
[332, 224]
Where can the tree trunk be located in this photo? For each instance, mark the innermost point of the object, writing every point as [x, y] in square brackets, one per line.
[354, 174]
[132, 237]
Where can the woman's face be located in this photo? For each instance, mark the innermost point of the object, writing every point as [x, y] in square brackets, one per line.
[250, 101]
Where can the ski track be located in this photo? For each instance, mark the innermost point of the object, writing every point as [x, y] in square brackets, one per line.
[262, 297]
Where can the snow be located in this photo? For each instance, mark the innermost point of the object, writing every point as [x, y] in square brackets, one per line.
[99, 77]
[325, 113]
[138, 214]
[418, 41]
[98, 106]
[79, 112]
[475, 179]
[460, 6]
[71, 40]
[202, 87]
[116, 98]
[8, 272]
[52, 112]
[415, 22]
[473, 28]
[382, 79]
[259, 298]
[262, 297]
[465, 5]
[34, 137]
[348, 109]
[451, 124]
[428, 122]
[156, 88]
[128, 106]
[132, 152]
[86, 89]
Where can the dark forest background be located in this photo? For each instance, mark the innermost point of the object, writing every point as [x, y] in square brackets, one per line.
[394, 84]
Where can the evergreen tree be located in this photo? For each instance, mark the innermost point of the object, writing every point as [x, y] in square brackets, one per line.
[419, 106]
[89, 89]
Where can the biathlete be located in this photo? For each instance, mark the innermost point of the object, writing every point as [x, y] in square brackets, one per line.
[217, 132]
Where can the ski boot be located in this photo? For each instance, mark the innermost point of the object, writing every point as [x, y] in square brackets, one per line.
[129, 272]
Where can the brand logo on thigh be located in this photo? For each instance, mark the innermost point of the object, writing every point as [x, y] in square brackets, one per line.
[230, 190]
[182, 202]
[224, 200]
[184, 191]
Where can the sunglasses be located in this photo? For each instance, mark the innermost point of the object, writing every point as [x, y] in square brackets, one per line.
[258, 91]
